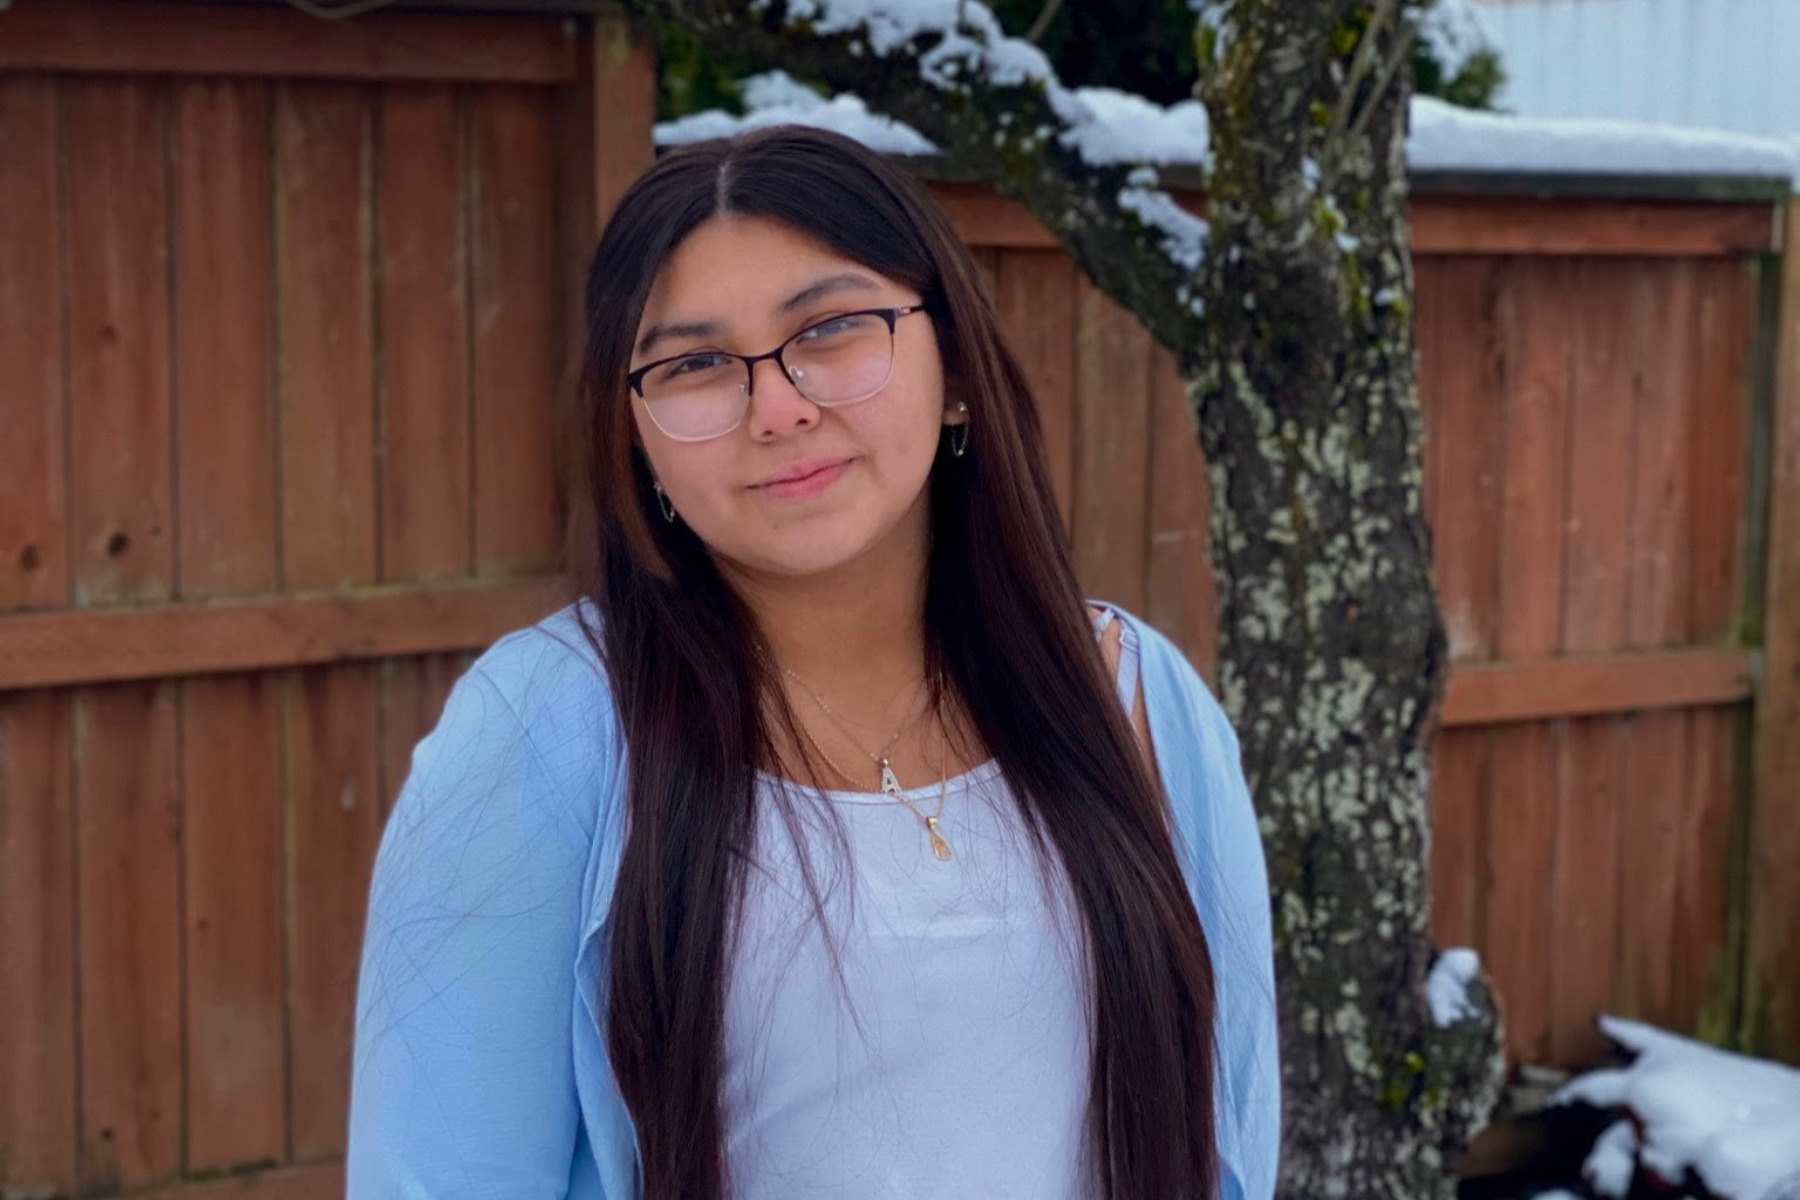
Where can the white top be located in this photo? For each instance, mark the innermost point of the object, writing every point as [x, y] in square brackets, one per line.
[952, 1058]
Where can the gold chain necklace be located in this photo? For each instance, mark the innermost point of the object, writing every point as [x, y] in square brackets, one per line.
[890, 786]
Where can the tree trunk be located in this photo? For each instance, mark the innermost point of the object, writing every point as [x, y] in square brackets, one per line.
[1333, 653]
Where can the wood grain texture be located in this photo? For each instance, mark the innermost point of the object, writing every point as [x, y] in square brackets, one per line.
[128, 843]
[37, 946]
[224, 338]
[234, 1029]
[424, 354]
[1522, 820]
[1772, 946]
[212, 40]
[327, 396]
[34, 533]
[119, 416]
[333, 751]
[1035, 299]
[84, 646]
[1181, 594]
[518, 503]
[231, 844]
[1112, 449]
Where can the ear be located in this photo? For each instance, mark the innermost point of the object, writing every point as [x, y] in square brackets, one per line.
[956, 414]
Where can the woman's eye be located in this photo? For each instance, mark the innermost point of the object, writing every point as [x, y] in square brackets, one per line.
[828, 328]
[695, 362]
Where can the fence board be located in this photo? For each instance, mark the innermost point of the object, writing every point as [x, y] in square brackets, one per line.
[1180, 598]
[34, 536]
[1035, 300]
[335, 808]
[1722, 334]
[327, 407]
[1598, 470]
[235, 1030]
[1702, 996]
[1461, 787]
[1466, 440]
[1112, 448]
[424, 352]
[1657, 615]
[125, 737]
[1522, 822]
[332, 714]
[129, 896]
[37, 946]
[119, 340]
[517, 529]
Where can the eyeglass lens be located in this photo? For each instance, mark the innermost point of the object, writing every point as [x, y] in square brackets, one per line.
[839, 361]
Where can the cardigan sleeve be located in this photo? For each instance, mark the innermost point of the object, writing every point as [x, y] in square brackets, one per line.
[463, 1076]
[1236, 878]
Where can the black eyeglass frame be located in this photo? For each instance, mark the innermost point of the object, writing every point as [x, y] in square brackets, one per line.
[891, 315]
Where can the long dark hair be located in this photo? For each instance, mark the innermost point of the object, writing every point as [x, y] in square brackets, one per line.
[1008, 641]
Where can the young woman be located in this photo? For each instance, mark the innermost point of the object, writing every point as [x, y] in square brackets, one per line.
[832, 845]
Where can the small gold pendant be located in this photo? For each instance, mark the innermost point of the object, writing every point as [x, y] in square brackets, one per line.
[889, 784]
[939, 846]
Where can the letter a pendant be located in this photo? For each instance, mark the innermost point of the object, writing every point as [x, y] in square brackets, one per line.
[889, 784]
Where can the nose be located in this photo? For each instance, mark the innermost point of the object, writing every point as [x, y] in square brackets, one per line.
[777, 406]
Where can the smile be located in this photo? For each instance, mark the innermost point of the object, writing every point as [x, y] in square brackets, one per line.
[804, 481]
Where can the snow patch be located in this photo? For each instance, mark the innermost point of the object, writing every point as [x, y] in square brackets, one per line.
[1447, 986]
[1733, 1120]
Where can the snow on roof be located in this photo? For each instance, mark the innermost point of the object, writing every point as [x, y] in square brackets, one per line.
[1734, 1120]
[1116, 127]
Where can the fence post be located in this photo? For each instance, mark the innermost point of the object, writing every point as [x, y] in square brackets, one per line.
[1772, 960]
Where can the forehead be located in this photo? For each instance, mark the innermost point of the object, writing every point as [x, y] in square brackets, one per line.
[739, 267]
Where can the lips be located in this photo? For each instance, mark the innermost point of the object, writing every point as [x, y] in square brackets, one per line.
[808, 477]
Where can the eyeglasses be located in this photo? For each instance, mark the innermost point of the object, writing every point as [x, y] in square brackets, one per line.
[833, 363]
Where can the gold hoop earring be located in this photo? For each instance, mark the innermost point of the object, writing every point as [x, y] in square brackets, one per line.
[663, 502]
[958, 446]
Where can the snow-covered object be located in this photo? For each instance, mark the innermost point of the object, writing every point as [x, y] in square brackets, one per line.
[1116, 127]
[1734, 1121]
[1447, 986]
[1612, 1163]
[1447, 138]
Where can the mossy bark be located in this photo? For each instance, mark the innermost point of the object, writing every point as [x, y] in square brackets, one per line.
[1300, 363]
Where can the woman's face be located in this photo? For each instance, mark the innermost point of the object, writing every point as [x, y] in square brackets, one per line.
[739, 277]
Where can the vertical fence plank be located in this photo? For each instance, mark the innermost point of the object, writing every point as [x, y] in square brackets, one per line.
[230, 755]
[1705, 987]
[37, 938]
[1657, 754]
[1597, 538]
[424, 352]
[328, 517]
[34, 553]
[1522, 822]
[1112, 448]
[37, 868]
[1180, 597]
[128, 854]
[1035, 299]
[332, 715]
[517, 505]
[1772, 944]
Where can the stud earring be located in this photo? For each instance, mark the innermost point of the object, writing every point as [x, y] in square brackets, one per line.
[663, 502]
[958, 446]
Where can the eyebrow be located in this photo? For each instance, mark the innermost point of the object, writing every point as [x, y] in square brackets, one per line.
[813, 291]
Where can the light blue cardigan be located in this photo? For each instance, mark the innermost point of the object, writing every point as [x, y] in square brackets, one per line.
[480, 1062]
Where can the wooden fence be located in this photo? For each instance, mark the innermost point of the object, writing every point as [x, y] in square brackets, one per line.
[284, 308]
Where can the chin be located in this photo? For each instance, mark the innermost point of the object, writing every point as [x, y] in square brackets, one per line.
[810, 549]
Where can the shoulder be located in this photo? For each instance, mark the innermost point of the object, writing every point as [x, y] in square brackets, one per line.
[535, 705]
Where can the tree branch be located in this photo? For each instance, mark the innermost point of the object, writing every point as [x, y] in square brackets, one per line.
[994, 107]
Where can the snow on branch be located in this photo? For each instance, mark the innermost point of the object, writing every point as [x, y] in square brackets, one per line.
[994, 108]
